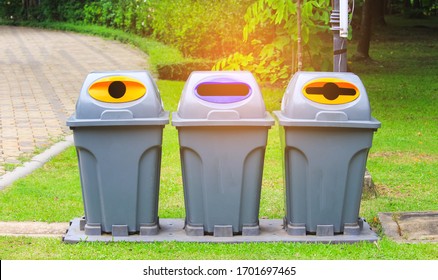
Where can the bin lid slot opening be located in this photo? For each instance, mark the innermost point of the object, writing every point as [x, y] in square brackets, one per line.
[223, 92]
[117, 89]
[330, 91]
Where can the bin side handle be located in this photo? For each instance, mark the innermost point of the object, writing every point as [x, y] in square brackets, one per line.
[223, 115]
[116, 115]
[331, 116]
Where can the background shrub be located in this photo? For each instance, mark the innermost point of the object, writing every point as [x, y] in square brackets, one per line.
[181, 71]
[128, 15]
[43, 10]
[200, 28]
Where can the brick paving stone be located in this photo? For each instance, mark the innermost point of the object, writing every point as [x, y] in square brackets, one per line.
[12, 160]
[41, 74]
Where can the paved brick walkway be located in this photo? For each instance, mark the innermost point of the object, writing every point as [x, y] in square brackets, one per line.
[41, 73]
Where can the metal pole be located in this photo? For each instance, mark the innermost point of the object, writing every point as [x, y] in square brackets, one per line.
[299, 45]
[339, 43]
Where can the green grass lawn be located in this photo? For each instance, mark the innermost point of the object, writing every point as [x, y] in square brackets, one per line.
[402, 86]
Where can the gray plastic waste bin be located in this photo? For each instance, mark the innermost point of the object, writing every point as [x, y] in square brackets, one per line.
[327, 131]
[222, 126]
[117, 129]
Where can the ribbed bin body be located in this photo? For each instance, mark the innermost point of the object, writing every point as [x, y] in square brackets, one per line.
[120, 174]
[222, 175]
[222, 126]
[117, 129]
[324, 175]
[326, 133]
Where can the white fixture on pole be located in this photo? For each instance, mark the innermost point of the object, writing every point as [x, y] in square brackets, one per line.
[339, 36]
[343, 18]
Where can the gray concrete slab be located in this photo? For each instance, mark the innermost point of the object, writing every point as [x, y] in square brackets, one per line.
[33, 229]
[410, 227]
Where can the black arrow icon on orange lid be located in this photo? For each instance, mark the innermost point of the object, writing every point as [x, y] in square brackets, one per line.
[330, 91]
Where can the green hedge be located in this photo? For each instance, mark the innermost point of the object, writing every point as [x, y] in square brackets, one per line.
[181, 71]
[200, 28]
[42, 10]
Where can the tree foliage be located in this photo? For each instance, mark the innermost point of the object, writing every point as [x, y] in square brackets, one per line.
[202, 28]
[271, 29]
[128, 15]
[42, 10]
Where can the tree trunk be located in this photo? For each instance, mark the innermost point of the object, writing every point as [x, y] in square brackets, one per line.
[363, 46]
[27, 5]
[388, 7]
[379, 16]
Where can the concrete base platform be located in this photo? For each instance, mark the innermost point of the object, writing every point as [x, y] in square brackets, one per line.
[271, 230]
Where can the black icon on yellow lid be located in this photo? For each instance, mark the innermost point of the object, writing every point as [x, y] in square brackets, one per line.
[117, 89]
[330, 91]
